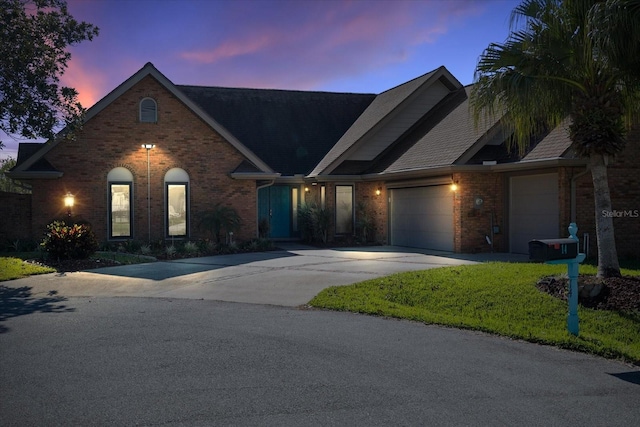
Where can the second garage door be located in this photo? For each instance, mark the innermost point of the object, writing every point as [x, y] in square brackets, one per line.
[533, 210]
[422, 217]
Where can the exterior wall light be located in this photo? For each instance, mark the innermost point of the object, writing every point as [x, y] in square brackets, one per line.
[306, 189]
[69, 201]
[378, 191]
[454, 186]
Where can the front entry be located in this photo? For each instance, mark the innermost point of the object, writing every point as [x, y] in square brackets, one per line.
[277, 204]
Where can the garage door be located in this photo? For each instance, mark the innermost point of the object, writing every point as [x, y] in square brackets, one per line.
[533, 210]
[422, 217]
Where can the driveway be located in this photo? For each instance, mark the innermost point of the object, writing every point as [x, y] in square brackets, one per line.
[290, 276]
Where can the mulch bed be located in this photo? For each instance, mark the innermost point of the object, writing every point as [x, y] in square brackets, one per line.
[618, 293]
[70, 265]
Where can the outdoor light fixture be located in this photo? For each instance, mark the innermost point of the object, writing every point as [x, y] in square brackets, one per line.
[454, 186]
[306, 189]
[378, 191]
[148, 147]
[69, 200]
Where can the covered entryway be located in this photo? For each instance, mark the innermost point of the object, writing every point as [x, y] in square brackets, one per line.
[533, 210]
[422, 217]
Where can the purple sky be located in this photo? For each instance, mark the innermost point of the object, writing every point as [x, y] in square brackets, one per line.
[328, 45]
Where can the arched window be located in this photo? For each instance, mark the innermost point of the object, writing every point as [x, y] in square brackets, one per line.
[148, 111]
[176, 184]
[120, 193]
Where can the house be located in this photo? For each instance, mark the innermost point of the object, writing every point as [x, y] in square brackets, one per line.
[153, 156]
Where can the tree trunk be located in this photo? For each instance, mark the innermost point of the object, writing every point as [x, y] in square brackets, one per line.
[607, 254]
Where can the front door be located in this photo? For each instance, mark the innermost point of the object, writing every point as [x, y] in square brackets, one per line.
[274, 203]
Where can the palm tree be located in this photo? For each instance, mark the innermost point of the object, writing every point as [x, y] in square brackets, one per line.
[554, 66]
[220, 218]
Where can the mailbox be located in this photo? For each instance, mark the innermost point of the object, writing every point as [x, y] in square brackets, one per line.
[552, 249]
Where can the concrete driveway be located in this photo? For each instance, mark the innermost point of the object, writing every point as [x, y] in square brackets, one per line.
[290, 276]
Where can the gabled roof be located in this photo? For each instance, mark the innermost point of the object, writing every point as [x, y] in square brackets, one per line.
[41, 168]
[446, 142]
[150, 70]
[384, 105]
[290, 131]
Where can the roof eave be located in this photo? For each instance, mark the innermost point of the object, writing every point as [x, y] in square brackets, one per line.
[25, 175]
[254, 175]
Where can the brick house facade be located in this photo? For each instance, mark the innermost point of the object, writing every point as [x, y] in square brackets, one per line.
[232, 144]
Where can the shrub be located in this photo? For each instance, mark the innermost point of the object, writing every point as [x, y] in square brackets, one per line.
[191, 248]
[314, 223]
[75, 241]
[220, 218]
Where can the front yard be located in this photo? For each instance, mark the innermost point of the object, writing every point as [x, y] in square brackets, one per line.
[498, 298]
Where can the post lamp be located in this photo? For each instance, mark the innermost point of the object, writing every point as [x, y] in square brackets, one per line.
[69, 200]
[148, 147]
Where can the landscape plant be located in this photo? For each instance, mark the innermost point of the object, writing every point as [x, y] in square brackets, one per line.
[64, 241]
[569, 64]
[220, 218]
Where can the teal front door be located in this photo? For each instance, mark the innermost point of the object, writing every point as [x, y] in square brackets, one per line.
[274, 203]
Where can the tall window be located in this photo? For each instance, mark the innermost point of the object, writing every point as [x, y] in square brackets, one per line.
[120, 183]
[344, 209]
[148, 111]
[177, 203]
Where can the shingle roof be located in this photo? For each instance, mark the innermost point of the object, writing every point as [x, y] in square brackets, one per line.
[289, 130]
[381, 107]
[552, 146]
[28, 149]
[445, 142]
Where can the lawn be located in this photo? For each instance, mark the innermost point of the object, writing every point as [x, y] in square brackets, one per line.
[498, 298]
[16, 268]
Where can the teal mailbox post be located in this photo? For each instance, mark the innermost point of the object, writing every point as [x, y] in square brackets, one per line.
[563, 251]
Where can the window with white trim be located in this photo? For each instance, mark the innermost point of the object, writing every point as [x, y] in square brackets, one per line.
[120, 190]
[176, 183]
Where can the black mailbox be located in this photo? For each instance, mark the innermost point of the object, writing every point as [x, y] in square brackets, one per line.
[552, 249]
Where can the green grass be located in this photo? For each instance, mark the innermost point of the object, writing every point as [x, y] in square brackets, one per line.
[16, 268]
[499, 298]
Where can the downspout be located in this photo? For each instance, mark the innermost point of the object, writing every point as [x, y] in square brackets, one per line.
[258, 188]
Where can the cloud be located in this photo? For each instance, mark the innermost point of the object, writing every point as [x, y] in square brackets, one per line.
[312, 43]
[89, 83]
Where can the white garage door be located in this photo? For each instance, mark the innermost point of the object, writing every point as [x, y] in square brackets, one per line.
[533, 210]
[422, 217]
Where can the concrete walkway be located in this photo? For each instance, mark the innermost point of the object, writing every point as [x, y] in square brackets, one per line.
[290, 276]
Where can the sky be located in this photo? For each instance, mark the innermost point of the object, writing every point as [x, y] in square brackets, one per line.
[361, 46]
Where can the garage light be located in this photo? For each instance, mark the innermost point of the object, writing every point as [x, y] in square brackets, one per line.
[454, 186]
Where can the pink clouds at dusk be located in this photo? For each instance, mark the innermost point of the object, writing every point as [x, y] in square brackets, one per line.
[328, 45]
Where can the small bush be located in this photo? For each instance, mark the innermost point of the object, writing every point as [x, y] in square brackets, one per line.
[191, 248]
[75, 241]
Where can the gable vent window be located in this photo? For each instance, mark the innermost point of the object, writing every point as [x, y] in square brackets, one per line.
[148, 111]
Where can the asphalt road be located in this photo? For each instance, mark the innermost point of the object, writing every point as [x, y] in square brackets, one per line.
[169, 362]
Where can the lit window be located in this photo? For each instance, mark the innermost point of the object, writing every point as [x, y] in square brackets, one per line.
[177, 203]
[344, 209]
[148, 111]
[120, 182]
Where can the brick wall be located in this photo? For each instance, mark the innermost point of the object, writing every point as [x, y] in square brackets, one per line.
[15, 210]
[113, 138]
[473, 223]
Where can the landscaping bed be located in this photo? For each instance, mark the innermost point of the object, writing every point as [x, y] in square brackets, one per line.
[617, 293]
